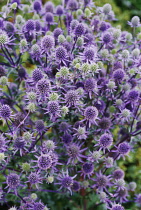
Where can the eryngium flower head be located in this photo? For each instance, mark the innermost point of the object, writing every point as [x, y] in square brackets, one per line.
[44, 162]
[22, 74]
[106, 38]
[59, 10]
[67, 138]
[9, 27]
[133, 95]
[61, 53]
[123, 149]
[107, 8]
[74, 152]
[65, 181]
[90, 85]
[49, 7]
[47, 43]
[53, 109]
[87, 169]
[71, 98]
[5, 111]
[118, 174]
[13, 181]
[34, 178]
[135, 21]
[79, 29]
[89, 54]
[49, 18]
[91, 114]
[72, 5]
[138, 199]
[39, 125]
[76, 186]
[101, 181]
[57, 32]
[43, 86]
[104, 123]
[37, 75]
[105, 141]
[37, 5]
[119, 75]
[30, 25]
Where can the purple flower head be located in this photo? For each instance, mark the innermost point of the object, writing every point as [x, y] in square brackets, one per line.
[123, 149]
[104, 123]
[89, 54]
[118, 174]
[43, 86]
[76, 186]
[101, 181]
[118, 75]
[19, 144]
[59, 10]
[74, 152]
[53, 109]
[37, 5]
[88, 39]
[22, 74]
[91, 114]
[49, 7]
[65, 181]
[49, 18]
[90, 86]
[47, 42]
[9, 27]
[61, 54]
[118, 65]
[133, 95]
[30, 25]
[67, 138]
[5, 112]
[81, 132]
[71, 98]
[79, 30]
[64, 127]
[73, 24]
[100, 105]
[103, 26]
[40, 127]
[44, 162]
[34, 179]
[13, 181]
[57, 32]
[37, 75]
[106, 38]
[87, 169]
[105, 141]
[72, 5]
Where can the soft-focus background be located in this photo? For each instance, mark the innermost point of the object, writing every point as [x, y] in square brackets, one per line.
[124, 11]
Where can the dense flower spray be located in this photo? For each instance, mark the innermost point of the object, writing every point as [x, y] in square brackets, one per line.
[70, 101]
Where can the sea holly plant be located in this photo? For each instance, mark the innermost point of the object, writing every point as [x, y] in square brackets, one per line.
[70, 96]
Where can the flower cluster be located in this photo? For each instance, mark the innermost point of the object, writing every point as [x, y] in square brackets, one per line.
[70, 96]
